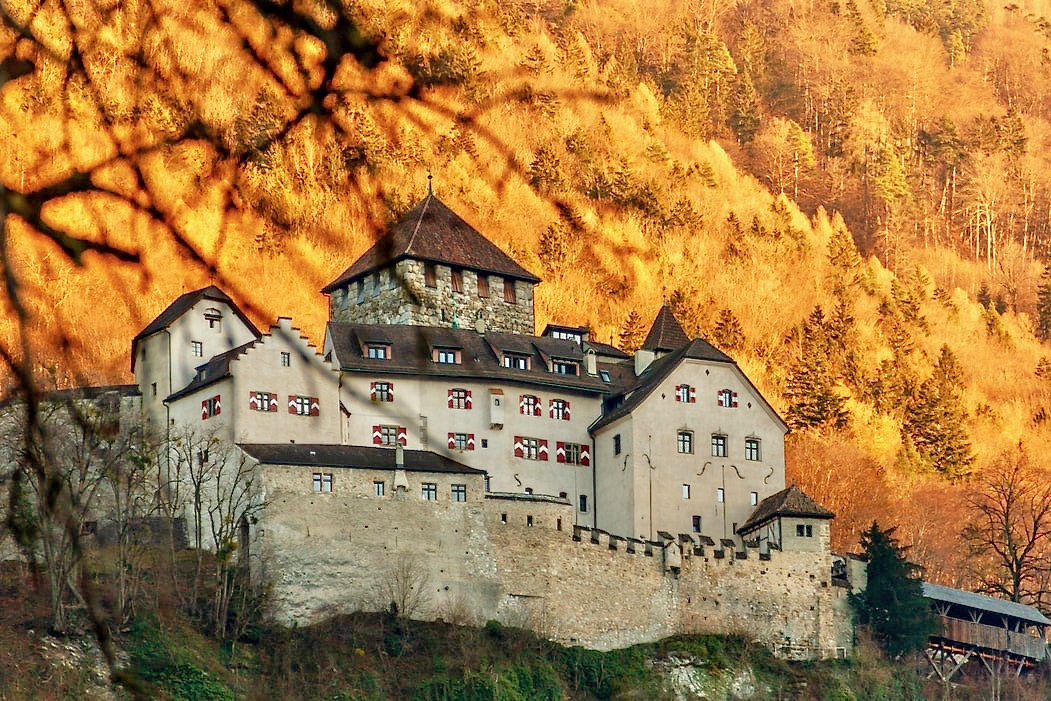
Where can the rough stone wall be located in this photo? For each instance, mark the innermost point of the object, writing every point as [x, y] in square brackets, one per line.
[338, 551]
[402, 297]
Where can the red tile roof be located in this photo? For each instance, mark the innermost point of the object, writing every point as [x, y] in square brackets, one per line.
[434, 233]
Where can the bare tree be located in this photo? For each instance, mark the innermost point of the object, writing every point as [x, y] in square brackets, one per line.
[1009, 532]
[58, 475]
[405, 588]
[214, 485]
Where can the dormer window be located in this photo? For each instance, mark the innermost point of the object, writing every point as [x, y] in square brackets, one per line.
[604, 376]
[516, 361]
[214, 318]
[377, 351]
[446, 356]
[564, 367]
[567, 335]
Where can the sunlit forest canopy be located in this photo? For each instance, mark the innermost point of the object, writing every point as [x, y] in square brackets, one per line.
[850, 197]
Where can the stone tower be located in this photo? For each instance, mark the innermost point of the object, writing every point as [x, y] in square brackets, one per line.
[434, 269]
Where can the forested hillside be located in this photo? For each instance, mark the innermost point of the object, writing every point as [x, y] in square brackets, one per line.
[850, 197]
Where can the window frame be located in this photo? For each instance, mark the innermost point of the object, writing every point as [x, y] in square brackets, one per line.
[443, 355]
[530, 448]
[322, 482]
[686, 491]
[720, 495]
[696, 523]
[719, 445]
[197, 349]
[382, 392]
[516, 361]
[753, 450]
[390, 429]
[458, 398]
[457, 281]
[302, 403]
[804, 530]
[429, 491]
[559, 410]
[683, 394]
[582, 503]
[483, 286]
[459, 444]
[753, 498]
[286, 359]
[561, 366]
[572, 453]
[377, 351]
[684, 442]
[616, 444]
[510, 293]
[430, 275]
[458, 493]
[379, 488]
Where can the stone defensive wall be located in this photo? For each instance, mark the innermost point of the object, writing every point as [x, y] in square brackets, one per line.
[519, 560]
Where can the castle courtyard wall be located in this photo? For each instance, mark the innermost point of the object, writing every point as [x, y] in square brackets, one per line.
[480, 560]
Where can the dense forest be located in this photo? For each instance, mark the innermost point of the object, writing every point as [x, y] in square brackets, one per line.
[850, 197]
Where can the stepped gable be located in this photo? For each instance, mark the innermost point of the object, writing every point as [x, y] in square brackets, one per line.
[434, 233]
[182, 305]
[481, 354]
[658, 370]
[354, 456]
[666, 333]
[790, 501]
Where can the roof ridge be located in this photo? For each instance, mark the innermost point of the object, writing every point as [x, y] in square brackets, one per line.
[419, 221]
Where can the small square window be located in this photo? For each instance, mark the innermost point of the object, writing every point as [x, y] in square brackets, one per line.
[458, 441]
[286, 359]
[751, 449]
[685, 491]
[322, 481]
[388, 435]
[459, 492]
[382, 392]
[804, 531]
[485, 442]
[379, 488]
[458, 398]
[604, 375]
[197, 349]
[696, 524]
[430, 491]
[718, 446]
[682, 393]
[531, 448]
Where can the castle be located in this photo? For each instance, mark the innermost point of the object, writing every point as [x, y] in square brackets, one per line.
[436, 445]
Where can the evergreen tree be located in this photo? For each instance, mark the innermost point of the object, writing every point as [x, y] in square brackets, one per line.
[1043, 305]
[934, 419]
[632, 333]
[892, 603]
[728, 334]
[813, 397]
[744, 117]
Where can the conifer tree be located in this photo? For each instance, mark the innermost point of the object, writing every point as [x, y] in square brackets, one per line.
[728, 334]
[813, 398]
[744, 117]
[934, 419]
[892, 603]
[1043, 305]
[632, 333]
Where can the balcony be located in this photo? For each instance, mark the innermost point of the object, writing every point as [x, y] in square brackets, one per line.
[991, 638]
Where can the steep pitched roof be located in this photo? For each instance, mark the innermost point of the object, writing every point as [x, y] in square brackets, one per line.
[182, 305]
[353, 456]
[432, 232]
[666, 334]
[790, 501]
[657, 372]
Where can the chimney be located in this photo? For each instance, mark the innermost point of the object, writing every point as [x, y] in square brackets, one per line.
[643, 358]
[399, 457]
[590, 362]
